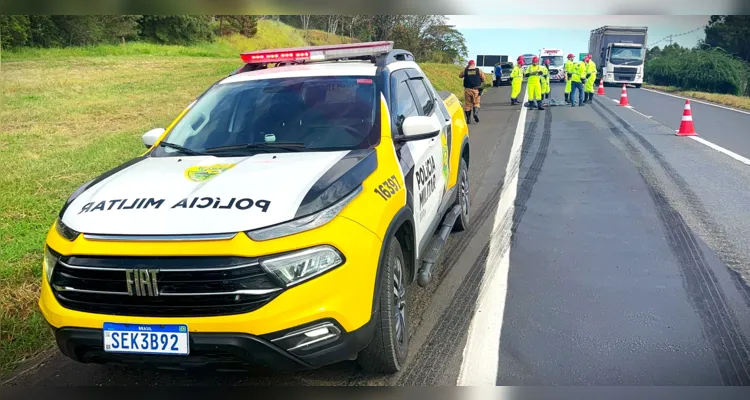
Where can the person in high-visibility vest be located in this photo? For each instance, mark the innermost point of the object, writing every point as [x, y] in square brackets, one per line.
[547, 86]
[516, 79]
[534, 74]
[570, 66]
[576, 81]
[590, 78]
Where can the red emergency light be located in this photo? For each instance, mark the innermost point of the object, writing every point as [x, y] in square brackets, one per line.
[317, 53]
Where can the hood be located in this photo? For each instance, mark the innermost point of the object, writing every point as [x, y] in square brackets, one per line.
[206, 194]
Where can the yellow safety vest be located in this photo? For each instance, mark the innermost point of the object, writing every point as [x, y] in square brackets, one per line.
[516, 73]
[578, 71]
[569, 67]
[591, 69]
[533, 70]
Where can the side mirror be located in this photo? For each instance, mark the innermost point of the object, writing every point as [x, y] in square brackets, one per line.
[420, 127]
[150, 137]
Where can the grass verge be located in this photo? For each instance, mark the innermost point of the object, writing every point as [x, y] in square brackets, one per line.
[69, 120]
[741, 102]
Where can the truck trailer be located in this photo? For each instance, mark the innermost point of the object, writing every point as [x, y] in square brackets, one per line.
[556, 59]
[619, 53]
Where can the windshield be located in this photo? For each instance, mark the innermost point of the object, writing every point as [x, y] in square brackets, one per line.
[626, 55]
[319, 113]
[553, 60]
[527, 60]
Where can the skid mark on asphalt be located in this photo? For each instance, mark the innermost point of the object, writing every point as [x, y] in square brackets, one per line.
[524, 192]
[428, 366]
[719, 323]
[721, 244]
[482, 353]
[416, 368]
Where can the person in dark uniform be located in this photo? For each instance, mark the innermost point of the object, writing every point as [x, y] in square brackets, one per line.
[473, 78]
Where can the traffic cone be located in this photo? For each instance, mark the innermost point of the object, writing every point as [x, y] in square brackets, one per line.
[624, 96]
[686, 126]
[601, 86]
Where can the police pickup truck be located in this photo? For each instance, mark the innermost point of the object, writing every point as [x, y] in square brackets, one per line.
[278, 222]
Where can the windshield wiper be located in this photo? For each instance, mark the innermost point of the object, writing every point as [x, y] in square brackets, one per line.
[288, 146]
[181, 148]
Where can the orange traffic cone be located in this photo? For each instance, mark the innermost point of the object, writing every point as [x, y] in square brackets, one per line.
[624, 96]
[601, 86]
[686, 126]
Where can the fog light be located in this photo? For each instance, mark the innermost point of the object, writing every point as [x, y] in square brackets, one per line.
[308, 339]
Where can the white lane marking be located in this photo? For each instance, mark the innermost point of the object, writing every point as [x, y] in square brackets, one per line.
[704, 141]
[479, 366]
[722, 150]
[692, 100]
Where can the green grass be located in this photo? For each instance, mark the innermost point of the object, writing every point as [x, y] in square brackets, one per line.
[70, 114]
[742, 102]
[271, 34]
[445, 77]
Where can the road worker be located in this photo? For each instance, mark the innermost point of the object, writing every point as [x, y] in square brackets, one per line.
[577, 81]
[545, 80]
[590, 78]
[516, 80]
[570, 66]
[473, 79]
[534, 73]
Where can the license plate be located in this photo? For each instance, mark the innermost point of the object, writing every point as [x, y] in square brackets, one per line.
[146, 339]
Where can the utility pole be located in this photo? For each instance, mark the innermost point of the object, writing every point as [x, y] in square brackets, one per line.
[670, 40]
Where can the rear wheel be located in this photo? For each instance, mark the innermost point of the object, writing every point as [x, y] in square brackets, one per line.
[388, 349]
[638, 85]
[462, 198]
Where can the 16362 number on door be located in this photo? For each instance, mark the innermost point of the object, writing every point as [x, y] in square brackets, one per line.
[388, 188]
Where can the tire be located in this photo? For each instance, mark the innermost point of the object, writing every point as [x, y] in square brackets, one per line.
[389, 347]
[638, 85]
[463, 198]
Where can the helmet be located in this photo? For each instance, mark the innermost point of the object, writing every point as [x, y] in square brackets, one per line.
[520, 60]
[535, 60]
[589, 56]
[546, 61]
[471, 62]
[571, 55]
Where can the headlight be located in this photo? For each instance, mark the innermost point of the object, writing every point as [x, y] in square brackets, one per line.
[302, 265]
[50, 259]
[305, 223]
[65, 231]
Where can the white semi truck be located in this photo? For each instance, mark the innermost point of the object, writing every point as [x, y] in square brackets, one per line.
[619, 53]
[556, 59]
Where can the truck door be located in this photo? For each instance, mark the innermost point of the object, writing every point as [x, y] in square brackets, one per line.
[422, 160]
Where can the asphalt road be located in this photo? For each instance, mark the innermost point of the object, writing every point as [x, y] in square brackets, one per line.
[604, 251]
[725, 127]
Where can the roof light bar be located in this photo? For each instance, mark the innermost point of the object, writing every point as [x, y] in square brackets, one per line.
[317, 53]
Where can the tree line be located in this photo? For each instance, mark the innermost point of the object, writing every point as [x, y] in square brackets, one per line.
[429, 37]
[719, 63]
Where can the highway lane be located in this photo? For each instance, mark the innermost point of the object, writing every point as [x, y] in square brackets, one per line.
[610, 280]
[725, 127]
[435, 325]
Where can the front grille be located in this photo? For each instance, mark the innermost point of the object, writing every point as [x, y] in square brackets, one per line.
[187, 286]
[625, 70]
[554, 71]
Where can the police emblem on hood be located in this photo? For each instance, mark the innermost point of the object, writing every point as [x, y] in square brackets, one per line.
[201, 173]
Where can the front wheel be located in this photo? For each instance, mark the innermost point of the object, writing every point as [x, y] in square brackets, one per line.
[462, 199]
[388, 349]
[638, 85]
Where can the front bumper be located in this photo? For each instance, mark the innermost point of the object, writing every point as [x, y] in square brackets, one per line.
[343, 295]
[220, 351]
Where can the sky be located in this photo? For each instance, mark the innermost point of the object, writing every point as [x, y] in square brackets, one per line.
[513, 35]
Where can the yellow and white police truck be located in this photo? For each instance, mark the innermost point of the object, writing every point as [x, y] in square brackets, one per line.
[278, 222]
